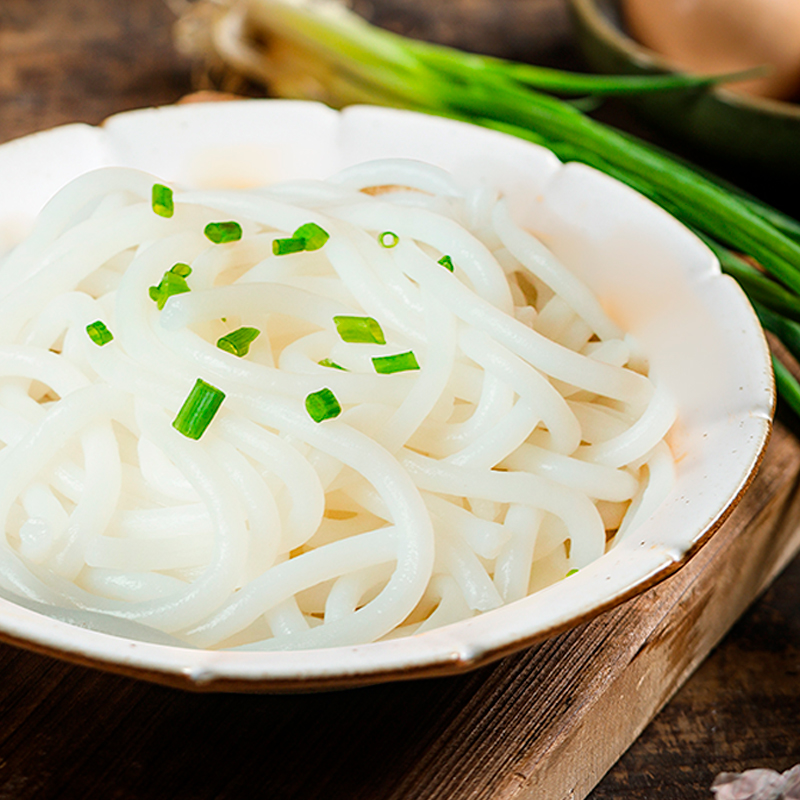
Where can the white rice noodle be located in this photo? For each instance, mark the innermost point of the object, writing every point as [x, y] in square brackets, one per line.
[527, 436]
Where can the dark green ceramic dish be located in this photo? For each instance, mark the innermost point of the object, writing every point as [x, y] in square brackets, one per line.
[755, 133]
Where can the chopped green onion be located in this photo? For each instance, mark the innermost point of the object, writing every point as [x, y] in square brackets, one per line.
[172, 283]
[184, 270]
[98, 333]
[322, 405]
[162, 200]
[365, 330]
[282, 247]
[312, 235]
[307, 237]
[222, 232]
[326, 362]
[198, 409]
[238, 341]
[388, 239]
[447, 263]
[402, 362]
[571, 572]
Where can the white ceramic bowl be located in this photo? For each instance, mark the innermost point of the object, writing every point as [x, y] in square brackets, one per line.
[655, 278]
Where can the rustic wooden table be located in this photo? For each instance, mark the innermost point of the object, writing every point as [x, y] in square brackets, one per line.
[67, 731]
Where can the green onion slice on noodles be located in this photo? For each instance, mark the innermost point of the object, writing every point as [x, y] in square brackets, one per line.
[361, 330]
[99, 333]
[322, 405]
[238, 342]
[222, 232]
[162, 200]
[198, 409]
[402, 362]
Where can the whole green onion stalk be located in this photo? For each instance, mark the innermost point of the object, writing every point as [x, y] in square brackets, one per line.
[320, 50]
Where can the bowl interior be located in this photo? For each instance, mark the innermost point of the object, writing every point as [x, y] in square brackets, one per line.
[652, 275]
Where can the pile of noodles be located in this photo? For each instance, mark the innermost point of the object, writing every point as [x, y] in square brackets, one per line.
[528, 441]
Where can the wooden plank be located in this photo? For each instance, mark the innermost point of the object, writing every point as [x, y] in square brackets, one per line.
[740, 709]
[83, 60]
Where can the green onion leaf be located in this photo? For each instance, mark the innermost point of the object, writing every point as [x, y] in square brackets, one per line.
[322, 405]
[787, 385]
[198, 409]
[402, 362]
[312, 235]
[98, 333]
[172, 283]
[326, 362]
[447, 263]
[238, 341]
[222, 232]
[184, 270]
[282, 247]
[388, 239]
[162, 200]
[571, 572]
[364, 330]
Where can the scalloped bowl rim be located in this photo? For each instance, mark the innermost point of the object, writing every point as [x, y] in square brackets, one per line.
[719, 440]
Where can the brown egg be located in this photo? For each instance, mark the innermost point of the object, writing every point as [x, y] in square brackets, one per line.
[710, 36]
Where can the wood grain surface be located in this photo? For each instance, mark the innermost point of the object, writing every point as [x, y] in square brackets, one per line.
[69, 732]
